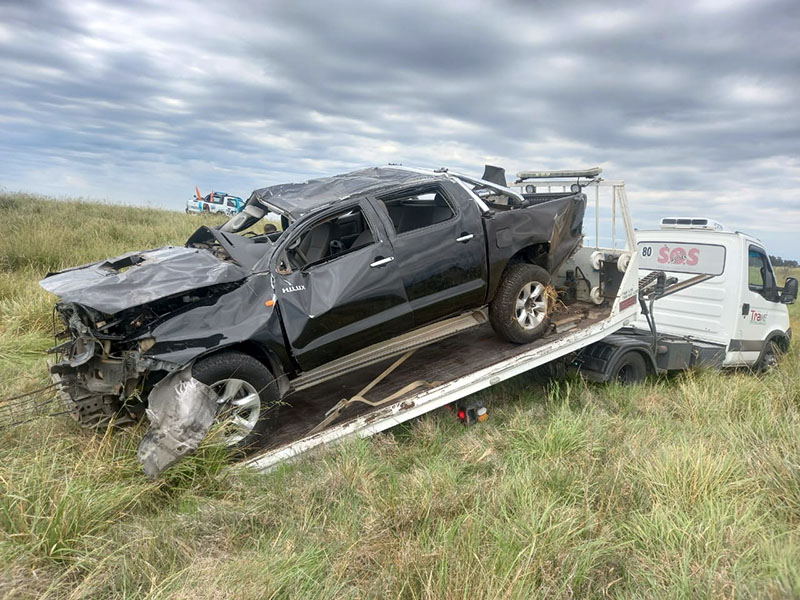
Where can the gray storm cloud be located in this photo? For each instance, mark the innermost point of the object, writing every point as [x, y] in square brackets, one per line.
[695, 105]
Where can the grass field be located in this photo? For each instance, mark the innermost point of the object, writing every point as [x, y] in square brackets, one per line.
[684, 487]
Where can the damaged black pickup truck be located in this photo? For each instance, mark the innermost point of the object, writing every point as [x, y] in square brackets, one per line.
[221, 330]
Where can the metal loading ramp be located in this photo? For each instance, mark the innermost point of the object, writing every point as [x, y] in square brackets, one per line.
[450, 369]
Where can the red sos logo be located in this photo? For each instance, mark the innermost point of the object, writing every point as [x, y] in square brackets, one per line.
[678, 256]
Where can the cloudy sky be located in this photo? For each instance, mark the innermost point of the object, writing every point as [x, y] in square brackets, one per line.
[696, 105]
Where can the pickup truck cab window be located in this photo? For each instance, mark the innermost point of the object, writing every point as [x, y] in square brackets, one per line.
[438, 241]
[328, 238]
[417, 210]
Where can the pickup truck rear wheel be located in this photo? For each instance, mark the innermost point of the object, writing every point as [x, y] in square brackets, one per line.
[247, 397]
[519, 311]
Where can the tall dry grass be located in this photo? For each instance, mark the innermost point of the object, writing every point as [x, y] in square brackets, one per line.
[683, 487]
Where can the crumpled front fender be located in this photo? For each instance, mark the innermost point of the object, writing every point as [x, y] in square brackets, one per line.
[181, 411]
[238, 317]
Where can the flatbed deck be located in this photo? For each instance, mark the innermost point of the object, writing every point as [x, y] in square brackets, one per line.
[452, 368]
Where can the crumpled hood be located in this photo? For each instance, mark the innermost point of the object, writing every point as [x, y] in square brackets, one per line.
[137, 278]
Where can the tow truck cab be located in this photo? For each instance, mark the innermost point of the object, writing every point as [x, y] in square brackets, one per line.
[727, 310]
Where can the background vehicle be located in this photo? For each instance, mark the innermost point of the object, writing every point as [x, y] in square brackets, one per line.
[723, 307]
[215, 202]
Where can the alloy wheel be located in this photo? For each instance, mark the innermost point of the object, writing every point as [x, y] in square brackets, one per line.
[531, 305]
[239, 407]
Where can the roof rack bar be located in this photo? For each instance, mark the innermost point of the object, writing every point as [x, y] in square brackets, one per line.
[588, 173]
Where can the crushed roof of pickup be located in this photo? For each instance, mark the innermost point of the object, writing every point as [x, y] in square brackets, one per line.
[299, 198]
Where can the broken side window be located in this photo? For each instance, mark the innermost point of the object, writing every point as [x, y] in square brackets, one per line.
[326, 239]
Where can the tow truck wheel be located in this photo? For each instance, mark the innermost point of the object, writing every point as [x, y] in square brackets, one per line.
[770, 357]
[629, 369]
[247, 397]
[519, 311]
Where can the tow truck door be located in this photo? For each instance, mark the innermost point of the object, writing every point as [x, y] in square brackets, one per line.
[348, 294]
[759, 306]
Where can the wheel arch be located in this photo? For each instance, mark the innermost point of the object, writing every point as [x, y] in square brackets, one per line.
[643, 351]
[599, 360]
[261, 354]
[779, 337]
[536, 253]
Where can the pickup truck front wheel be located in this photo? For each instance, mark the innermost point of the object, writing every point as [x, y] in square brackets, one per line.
[247, 397]
[519, 311]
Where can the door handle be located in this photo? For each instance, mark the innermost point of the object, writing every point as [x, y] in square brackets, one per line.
[465, 237]
[745, 309]
[382, 261]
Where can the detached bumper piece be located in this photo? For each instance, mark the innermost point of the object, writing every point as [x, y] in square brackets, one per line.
[181, 411]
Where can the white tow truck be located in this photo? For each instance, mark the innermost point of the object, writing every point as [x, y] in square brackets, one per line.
[709, 297]
[718, 304]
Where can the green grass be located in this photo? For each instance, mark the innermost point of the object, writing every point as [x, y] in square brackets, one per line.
[684, 487]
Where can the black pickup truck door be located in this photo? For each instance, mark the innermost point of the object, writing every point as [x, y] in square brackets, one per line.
[442, 265]
[341, 303]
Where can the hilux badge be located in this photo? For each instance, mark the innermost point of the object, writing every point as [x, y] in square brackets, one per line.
[293, 288]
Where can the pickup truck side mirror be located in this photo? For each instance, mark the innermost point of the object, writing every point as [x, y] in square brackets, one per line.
[789, 291]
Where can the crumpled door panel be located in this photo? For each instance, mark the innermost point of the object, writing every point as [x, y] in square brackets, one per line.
[342, 305]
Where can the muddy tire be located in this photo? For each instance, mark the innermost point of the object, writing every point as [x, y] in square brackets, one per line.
[248, 397]
[769, 358]
[629, 369]
[519, 311]
[553, 371]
